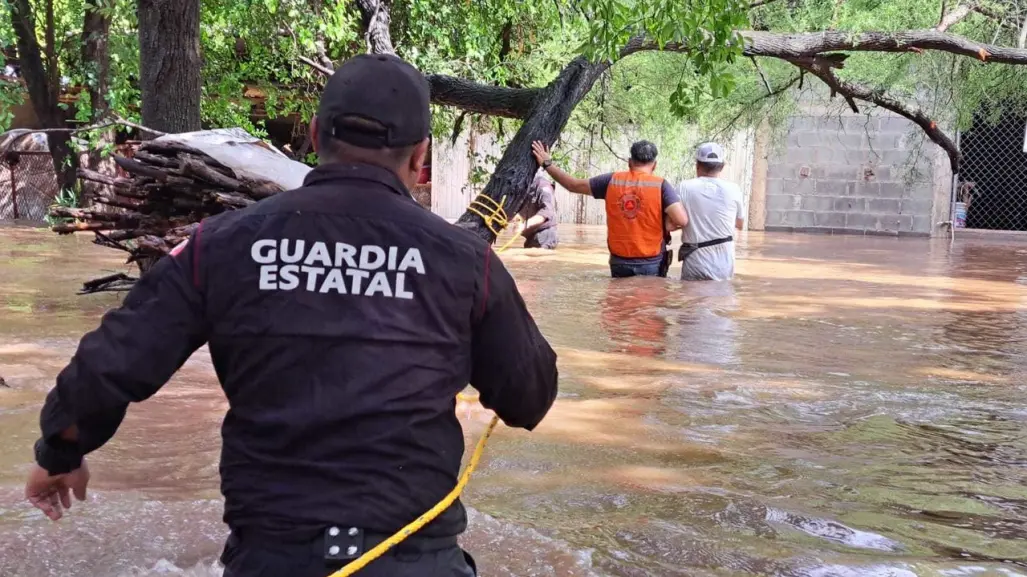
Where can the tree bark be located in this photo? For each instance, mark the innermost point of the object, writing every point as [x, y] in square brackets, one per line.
[377, 21]
[517, 167]
[169, 64]
[42, 87]
[96, 58]
[482, 99]
[96, 62]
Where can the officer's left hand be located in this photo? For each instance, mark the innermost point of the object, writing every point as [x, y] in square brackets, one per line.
[51, 494]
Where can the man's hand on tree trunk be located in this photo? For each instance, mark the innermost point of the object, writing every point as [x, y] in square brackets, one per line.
[541, 153]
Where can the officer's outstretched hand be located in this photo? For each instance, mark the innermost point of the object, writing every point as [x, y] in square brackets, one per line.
[51, 494]
[541, 152]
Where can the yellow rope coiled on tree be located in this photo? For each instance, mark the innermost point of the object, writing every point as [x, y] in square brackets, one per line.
[494, 216]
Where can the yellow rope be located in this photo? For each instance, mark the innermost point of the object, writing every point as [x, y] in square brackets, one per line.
[494, 215]
[429, 516]
[509, 242]
[491, 212]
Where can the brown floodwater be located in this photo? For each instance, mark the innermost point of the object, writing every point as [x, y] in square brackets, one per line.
[846, 406]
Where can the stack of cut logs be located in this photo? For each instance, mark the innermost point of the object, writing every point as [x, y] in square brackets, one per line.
[170, 187]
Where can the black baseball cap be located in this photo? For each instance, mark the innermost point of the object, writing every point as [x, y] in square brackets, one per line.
[376, 101]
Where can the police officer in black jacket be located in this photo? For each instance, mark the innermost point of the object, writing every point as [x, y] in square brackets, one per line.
[342, 319]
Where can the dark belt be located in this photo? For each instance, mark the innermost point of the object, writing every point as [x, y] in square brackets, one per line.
[342, 543]
[687, 249]
[668, 258]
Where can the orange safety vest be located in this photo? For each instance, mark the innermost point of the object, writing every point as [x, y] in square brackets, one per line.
[634, 215]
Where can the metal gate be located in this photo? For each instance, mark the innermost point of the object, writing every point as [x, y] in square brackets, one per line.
[991, 188]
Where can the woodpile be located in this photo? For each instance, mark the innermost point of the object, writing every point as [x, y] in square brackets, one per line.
[169, 189]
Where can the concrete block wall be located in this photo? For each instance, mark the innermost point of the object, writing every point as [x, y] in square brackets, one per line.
[851, 175]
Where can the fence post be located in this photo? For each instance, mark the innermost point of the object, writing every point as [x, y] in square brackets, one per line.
[14, 188]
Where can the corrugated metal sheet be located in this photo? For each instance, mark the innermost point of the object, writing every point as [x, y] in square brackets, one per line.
[454, 164]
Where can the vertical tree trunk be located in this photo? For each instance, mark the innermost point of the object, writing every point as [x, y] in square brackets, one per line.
[43, 83]
[516, 169]
[96, 57]
[169, 64]
[96, 62]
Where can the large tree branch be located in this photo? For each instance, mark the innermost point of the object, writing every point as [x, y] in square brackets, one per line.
[850, 90]
[468, 95]
[811, 44]
[481, 98]
[814, 43]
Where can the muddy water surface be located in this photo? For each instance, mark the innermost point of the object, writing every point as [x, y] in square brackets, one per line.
[846, 406]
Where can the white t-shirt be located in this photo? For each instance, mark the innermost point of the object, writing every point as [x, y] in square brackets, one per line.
[712, 205]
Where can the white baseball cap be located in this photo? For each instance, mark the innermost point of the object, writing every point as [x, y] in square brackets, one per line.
[710, 152]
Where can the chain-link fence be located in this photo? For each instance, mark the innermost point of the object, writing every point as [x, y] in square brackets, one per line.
[991, 191]
[28, 185]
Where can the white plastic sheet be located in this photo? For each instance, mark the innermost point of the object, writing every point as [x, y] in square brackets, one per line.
[245, 154]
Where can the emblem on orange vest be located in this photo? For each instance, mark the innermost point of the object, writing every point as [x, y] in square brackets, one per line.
[629, 205]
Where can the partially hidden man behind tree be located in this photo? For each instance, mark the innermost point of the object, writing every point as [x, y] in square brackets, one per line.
[715, 208]
[636, 202]
[342, 320]
[537, 221]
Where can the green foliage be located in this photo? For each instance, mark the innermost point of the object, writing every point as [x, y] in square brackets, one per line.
[700, 88]
[68, 198]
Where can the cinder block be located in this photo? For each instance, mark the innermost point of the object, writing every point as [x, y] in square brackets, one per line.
[893, 124]
[775, 186]
[830, 219]
[817, 203]
[831, 155]
[783, 202]
[914, 207]
[779, 218]
[860, 123]
[778, 168]
[862, 221]
[854, 141]
[850, 204]
[867, 189]
[892, 190]
[920, 191]
[808, 123]
[802, 186]
[858, 156]
[894, 157]
[834, 188]
[806, 156]
[809, 139]
[888, 206]
[835, 172]
[923, 224]
[881, 173]
[803, 219]
[900, 222]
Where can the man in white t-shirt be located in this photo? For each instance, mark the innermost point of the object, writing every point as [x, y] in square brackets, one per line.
[715, 209]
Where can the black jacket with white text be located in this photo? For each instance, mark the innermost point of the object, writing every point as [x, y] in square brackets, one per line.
[342, 319]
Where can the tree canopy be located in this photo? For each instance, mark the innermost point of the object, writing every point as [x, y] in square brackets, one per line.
[532, 66]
